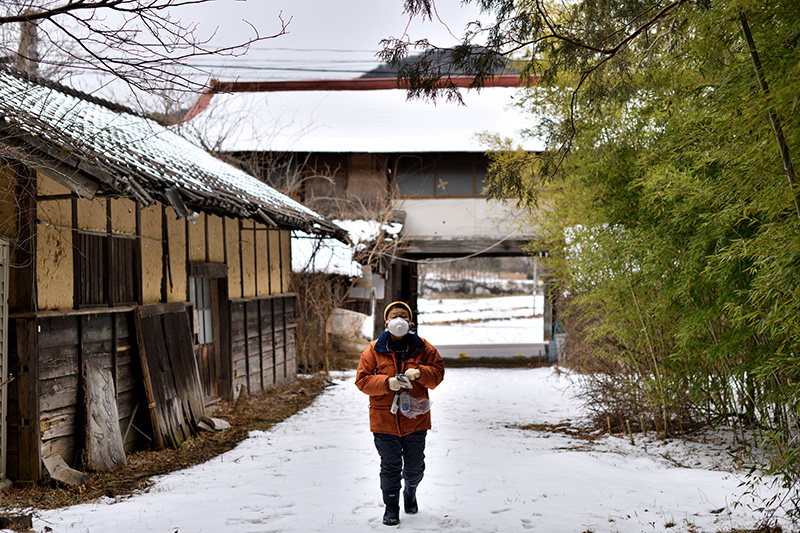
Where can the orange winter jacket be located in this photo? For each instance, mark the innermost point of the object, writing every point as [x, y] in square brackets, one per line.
[378, 364]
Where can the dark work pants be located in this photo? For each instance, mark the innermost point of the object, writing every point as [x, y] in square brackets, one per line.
[401, 458]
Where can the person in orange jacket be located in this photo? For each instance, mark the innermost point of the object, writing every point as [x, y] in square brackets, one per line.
[396, 371]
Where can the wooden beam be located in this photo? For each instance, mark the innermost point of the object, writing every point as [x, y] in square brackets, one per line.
[30, 435]
[72, 179]
[357, 84]
[460, 247]
[138, 267]
[208, 270]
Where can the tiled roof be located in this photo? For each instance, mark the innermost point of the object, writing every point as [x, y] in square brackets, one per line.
[137, 157]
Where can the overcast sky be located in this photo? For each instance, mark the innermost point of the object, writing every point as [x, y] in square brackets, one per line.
[325, 39]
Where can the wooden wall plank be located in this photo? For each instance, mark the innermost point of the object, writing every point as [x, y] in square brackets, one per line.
[180, 346]
[58, 393]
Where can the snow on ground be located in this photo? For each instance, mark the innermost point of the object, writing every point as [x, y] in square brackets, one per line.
[495, 323]
[318, 472]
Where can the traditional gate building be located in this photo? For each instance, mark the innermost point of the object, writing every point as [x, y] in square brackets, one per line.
[354, 144]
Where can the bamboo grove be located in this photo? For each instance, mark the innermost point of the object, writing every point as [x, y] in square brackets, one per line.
[669, 200]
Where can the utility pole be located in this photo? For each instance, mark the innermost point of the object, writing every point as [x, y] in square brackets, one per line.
[28, 53]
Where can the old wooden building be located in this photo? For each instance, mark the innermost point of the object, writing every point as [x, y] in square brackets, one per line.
[141, 280]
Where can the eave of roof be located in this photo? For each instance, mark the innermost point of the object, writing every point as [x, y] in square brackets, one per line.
[136, 157]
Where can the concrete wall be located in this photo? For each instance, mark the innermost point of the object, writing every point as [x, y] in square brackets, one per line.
[457, 217]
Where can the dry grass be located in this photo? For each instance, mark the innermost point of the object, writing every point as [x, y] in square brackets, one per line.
[255, 413]
[564, 428]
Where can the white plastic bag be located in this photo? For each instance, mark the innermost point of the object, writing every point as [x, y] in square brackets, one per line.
[416, 407]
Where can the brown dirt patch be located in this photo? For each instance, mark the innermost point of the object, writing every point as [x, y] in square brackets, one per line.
[565, 428]
[253, 413]
[495, 362]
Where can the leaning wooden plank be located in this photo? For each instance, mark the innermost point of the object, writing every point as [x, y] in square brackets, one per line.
[148, 385]
[175, 393]
[58, 469]
[103, 447]
[180, 346]
[160, 375]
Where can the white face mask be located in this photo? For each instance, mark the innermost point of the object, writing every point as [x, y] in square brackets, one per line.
[398, 327]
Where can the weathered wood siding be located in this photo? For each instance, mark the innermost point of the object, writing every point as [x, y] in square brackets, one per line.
[64, 344]
[263, 344]
[258, 258]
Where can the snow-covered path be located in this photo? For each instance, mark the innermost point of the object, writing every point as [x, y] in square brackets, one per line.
[318, 472]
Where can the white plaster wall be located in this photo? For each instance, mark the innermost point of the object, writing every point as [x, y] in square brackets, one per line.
[458, 217]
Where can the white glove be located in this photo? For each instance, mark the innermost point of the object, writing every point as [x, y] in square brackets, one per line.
[394, 384]
[412, 374]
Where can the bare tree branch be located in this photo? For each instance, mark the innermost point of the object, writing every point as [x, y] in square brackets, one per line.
[136, 41]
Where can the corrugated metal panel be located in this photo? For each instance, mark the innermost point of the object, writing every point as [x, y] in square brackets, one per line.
[4, 266]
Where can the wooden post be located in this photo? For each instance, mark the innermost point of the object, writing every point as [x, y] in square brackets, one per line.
[241, 265]
[260, 304]
[274, 342]
[24, 259]
[27, 380]
[30, 436]
[138, 256]
[270, 260]
[165, 272]
[246, 347]
[111, 273]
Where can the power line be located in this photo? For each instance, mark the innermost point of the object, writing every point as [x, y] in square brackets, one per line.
[334, 50]
[307, 61]
[291, 69]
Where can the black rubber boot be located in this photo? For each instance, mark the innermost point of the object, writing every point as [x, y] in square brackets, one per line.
[410, 499]
[391, 517]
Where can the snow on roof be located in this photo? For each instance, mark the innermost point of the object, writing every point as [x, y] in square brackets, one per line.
[136, 156]
[311, 253]
[373, 121]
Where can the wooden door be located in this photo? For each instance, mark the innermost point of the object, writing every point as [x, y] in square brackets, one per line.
[209, 299]
[201, 296]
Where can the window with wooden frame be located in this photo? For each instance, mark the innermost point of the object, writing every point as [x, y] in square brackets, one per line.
[446, 175]
[200, 296]
[106, 269]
